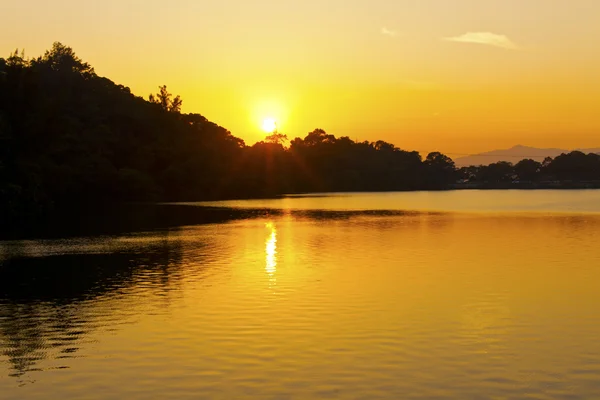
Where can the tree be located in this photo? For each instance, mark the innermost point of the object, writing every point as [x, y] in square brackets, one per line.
[575, 166]
[277, 138]
[69, 137]
[528, 170]
[502, 171]
[469, 174]
[441, 169]
[16, 59]
[440, 160]
[547, 161]
[163, 98]
[381, 145]
[317, 137]
[62, 58]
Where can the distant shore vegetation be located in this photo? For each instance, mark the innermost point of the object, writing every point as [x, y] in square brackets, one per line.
[71, 138]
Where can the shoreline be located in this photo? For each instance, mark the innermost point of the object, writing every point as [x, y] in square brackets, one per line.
[553, 185]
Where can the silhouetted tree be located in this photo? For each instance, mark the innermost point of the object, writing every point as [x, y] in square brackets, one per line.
[469, 174]
[527, 170]
[16, 59]
[62, 58]
[572, 167]
[441, 169]
[277, 138]
[380, 145]
[575, 166]
[163, 98]
[317, 137]
[69, 137]
[501, 171]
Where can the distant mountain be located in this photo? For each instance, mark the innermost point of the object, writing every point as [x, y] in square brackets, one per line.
[514, 155]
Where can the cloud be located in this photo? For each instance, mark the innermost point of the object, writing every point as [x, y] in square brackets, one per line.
[388, 32]
[488, 38]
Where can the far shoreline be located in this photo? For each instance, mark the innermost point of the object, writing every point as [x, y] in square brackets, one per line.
[554, 185]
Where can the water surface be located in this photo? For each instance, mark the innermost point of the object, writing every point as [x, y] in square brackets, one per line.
[471, 201]
[335, 297]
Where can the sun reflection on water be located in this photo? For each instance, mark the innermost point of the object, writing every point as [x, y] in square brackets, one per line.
[271, 249]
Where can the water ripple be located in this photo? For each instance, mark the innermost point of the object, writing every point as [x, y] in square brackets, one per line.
[308, 305]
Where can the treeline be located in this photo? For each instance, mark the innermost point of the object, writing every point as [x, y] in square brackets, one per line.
[576, 167]
[70, 138]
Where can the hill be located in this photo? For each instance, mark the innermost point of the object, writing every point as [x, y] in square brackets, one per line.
[514, 155]
[70, 138]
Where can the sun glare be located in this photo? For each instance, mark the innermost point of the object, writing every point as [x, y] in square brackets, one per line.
[271, 249]
[269, 125]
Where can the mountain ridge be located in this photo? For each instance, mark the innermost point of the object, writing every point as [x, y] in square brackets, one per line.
[515, 154]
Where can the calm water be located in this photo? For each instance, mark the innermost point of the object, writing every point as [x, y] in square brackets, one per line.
[454, 295]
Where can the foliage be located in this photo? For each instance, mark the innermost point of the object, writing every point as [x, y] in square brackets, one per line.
[163, 99]
[277, 138]
[571, 167]
[69, 137]
[527, 170]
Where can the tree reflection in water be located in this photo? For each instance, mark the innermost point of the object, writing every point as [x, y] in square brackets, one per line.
[49, 304]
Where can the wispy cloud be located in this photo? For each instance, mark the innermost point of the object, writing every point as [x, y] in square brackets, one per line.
[487, 38]
[388, 32]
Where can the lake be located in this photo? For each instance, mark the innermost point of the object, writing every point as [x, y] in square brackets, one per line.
[421, 295]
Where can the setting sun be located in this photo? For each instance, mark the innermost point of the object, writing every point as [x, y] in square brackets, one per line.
[269, 125]
[303, 199]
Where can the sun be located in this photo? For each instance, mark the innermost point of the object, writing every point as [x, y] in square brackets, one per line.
[269, 125]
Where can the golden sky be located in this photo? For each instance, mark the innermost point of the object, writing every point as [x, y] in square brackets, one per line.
[457, 76]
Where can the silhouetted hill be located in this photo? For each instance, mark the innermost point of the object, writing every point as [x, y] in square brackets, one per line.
[71, 139]
[514, 155]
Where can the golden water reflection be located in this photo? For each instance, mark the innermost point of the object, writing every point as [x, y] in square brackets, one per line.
[271, 249]
[311, 305]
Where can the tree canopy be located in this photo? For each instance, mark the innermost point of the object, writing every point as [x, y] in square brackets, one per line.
[69, 137]
[569, 167]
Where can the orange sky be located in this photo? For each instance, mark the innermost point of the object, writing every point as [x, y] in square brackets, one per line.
[457, 76]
